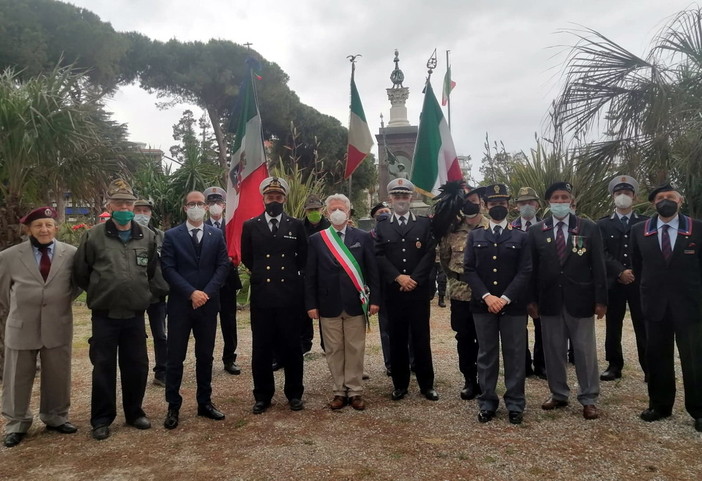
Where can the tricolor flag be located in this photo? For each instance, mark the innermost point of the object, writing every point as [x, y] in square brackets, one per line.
[360, 138]
[435, 161]
[448, 86]
[248, 167]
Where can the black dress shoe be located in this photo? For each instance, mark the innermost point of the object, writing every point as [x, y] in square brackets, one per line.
[296, 404]
[485, 415]
[261, 407]
[398, 394]
[13, 439]
[698, 425]
[610, 374]
[431, 394]
[65, 428]
[276, 366]
[232, 368]
[101, 432]
[210, 411]
[142, 422]
[516, 417]
[650, 415]
[470, 390]
[171, 421]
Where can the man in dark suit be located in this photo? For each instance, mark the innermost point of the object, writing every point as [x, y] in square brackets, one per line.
[668, 260]
[405, 249]
[569, 288]
[623, 285]
[274, 249]
[216, 203]
[195, 265]
[341, 289]
[498, 267]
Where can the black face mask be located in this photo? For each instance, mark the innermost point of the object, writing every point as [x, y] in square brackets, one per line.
[498, 213]
[274, 209]
[470, 208]
[666, 208]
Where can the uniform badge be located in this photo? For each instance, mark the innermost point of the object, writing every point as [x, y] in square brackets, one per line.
[419, 245]
[548, 239]
[47, 212]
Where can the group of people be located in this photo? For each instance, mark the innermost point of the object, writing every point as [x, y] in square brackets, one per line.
[562, 271]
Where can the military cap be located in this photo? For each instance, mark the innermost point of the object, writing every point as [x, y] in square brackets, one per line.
[39, 213]
[273, 184]
[400, 186]
[667, 187]
[144, 203]
[475, 190]
[496, 191]
[623, 182]
[557, 186]
[213, 194]
[526, 193]
[120, 190]
[313, 202]
[377, 207]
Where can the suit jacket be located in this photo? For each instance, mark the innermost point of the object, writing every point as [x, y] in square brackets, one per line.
[276, 262]
[327, 285]
[410, 250]
[38, 313]
[233, 282]
[676, 284]
[616, 238]
[498, 266]
[578, 284]
[187, 272]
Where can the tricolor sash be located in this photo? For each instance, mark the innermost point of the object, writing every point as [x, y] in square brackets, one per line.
[343, 255]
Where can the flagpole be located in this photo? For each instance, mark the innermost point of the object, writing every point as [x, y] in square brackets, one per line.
[352, 59]
[448, 100]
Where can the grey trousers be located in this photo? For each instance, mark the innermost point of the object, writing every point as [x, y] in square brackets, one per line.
[490, 330]
[555, 331]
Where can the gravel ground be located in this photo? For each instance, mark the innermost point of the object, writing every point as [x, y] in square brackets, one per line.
[413, 439]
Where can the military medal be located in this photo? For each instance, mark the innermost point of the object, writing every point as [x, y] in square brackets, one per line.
[578, 245]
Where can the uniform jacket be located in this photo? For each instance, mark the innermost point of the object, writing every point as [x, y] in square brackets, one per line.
[233, 282]
[498, 266]
[578, 284]
[409, 250]
[452, 256]
[312, 229]
[38, 313]
[276, 262]
[617, 244]
[517, 223]
[676, 284]
[327, 285]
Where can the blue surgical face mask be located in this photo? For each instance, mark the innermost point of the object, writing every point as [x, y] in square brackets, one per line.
[560, 209]
[142, 219]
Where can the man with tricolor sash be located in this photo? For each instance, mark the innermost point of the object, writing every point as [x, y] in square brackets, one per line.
[341, 289]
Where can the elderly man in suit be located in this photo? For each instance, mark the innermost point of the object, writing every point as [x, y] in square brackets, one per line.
[195, 265]
[36, 294]
[569, 288]
[274, 249]
[341, 289]
[667, 258]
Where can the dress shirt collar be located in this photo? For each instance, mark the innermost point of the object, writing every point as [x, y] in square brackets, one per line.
[674, 222]
[503, 225]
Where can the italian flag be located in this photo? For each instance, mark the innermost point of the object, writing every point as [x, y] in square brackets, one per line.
[435, 161]
[247, 168]
[448, 87]
[360, 138]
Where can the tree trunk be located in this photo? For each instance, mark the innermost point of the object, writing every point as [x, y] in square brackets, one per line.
[221, 144]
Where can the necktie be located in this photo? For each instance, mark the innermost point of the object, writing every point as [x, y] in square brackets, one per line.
[216, 223]
[665, 243]
[274, 223]
[625, 221]
[498, 229]
[528, 224]
[44, 262]
[560, 242]
[193, 233]
[402, 221]
[341, 235]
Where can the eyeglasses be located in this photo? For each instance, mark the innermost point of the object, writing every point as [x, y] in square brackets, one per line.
[190, 205]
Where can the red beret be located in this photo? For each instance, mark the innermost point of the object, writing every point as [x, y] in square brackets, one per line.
[39, 213]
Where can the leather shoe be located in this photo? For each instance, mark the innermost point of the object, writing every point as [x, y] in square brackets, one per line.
[431, 394]
[261, 406]
[552, 403]
[232, 368]
[650, 415]
[101, 432]
[485, 415]
[65, 428]
[590, 412]
[398, 394]
[171, 421]
[359, 404]
[142, 422]
[610, 374]
[470, 390]
[698, 425]
[296, 404]
[13, 439]
[337, 403]
[276, 366]
[159, 382]
[516, 417]
[210, 411]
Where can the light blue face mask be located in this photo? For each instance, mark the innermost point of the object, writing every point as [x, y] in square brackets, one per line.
[142, 219]
[560, 209]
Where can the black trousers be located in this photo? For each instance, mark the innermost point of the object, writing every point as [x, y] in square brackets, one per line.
[202, 322]
[276, 330]
[687, 333]
[409, 322]
[539, 363]
[466, 339]
[157, 322]
[113, 339]
[227, 322]
[619, 296]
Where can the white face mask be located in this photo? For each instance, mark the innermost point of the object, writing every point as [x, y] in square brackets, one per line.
[623, 201]
[400, 207]
[527, 211]
[196, 214]
[142, 219]
[338, 217]
[216, 210]
[560, 209]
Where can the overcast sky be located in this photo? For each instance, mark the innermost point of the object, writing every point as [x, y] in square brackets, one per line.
[506, 55]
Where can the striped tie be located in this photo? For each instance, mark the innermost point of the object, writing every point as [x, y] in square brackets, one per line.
[665, 243]
[560, 242]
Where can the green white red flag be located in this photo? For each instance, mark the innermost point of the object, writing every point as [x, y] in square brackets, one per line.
[448, 87]
[360, 138]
